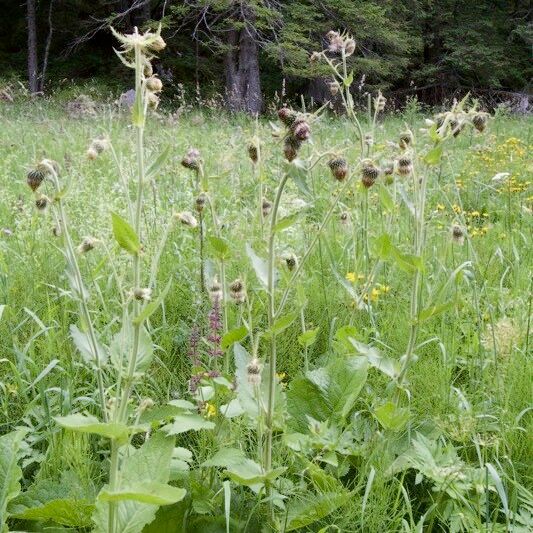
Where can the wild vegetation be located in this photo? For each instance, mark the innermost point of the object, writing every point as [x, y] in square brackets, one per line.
[310, 323]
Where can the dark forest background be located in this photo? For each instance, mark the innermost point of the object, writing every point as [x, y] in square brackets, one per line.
[249, 49]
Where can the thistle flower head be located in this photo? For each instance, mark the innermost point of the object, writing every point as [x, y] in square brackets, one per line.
[187, 219]
[253, 372]
[349, 46]
[369, 173]
[458, 235]
[315, 56]
[479, 121]
[192, 159]
[301, 129]
[379, 102]
[345, 218]
[152, 100]
[48, 166]
[405, 166]
[406, 139]
[237, 292]
[34, 179]
[287, 116]
[199, 203]
[215, 291]
[42, 202]
[290, 260]
[146, 403]
[253, 150]
[154, 84]
[334, 88]
[369, 140]
[266, 207]
[143, 294]
[86, 245]
[339, 168]
[291, 145]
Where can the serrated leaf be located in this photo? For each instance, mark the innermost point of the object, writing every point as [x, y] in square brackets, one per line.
[281, 324]
[150, 492]
[67, 512]
[233, 336]
[125, 235]
[312, 508]
[226, 457]
[286, 222]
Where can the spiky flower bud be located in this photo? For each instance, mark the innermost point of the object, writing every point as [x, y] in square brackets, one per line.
[456, 127]
[42, 203]
[145, 404]
[152, 100]
[253, 372]
[406, 139]
[405, 166]
[480, 122]
[301, 130]
[237, 292]
[291, 261]
[157, 44]
[369, 140]
[200, 202]
[35, 178]
[314, 57]
[87, 244]
[345, 218]
[336, 42]
[154, 84]
[458, 235]
[91, 153]
[369, 174]
[339, 168]
[187, 219]
[349, 47]
[266, 207]
[56, 231]
[334, 88]
[48, 166]
[192, 159]
[287, 116]
[144, 294]
[253, 150]
[291, 145]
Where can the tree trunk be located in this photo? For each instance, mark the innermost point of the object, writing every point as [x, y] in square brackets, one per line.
[47, 47]
[243, 84]
[31, 19]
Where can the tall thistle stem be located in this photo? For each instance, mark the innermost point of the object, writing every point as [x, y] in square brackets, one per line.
[271, 317]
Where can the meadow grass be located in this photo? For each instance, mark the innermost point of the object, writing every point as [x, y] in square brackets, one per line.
[471, 381]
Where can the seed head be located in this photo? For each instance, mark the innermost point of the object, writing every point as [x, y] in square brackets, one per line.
[144, 294]
[266, 207]
[215, 291]
[458, 235]
[405, 166]
[200, 202]
[480, 122]
[187, 219]
[406, 139]
[253, 372]
[152, 100]
[154, 84]
[237, 292]
[91, 153]
[291, 261]
[42, 203]
[291, 146]
[192, 159]
[345, 218]
[349, 47]
[287, 116]
[369, 174]
[35, 178]
[87, 244]
[253, 150]
[339, 168]
[379, 102]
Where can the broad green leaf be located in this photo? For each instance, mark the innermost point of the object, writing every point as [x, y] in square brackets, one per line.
[121, 348]
[286, 222]
[385, 198]
[383, 246]
[151, 492]
[90, 424]
[390, 367]
[154, 167]
[308, 338]
[219, 246]
[434, 310]
[10, 471]
[250, 473]
[232, 336]
[151, 463]
[392, 417]
[259, 264]
[226, 457]
[281, 324]
[349, 79]
[152, 307]
[433, 157]
[125, 235]
[187, 422]
[85, 347]
[312, 508]
[67, 512]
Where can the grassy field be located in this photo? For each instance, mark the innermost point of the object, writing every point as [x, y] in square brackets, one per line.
[358, 445]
